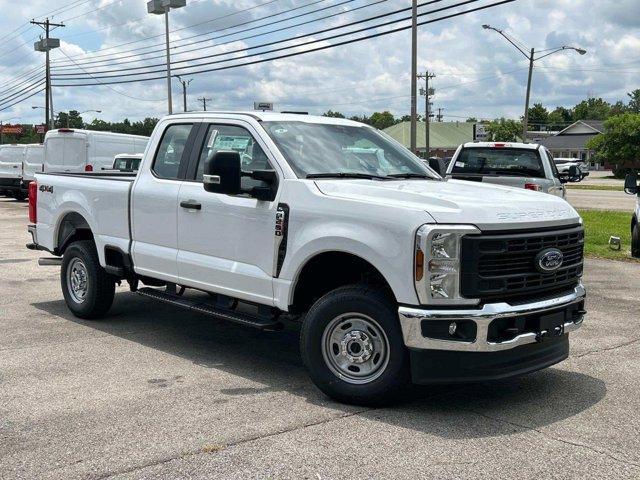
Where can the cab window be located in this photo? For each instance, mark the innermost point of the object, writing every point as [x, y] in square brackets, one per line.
[169, 154]
[232, 137]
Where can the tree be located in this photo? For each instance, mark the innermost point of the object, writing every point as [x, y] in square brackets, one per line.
[618, 108]
[592, 109]
[471, 120]
[619, 144]
[634, 103]
[504, 130]
[382, 120]
[333, 114]
[560, 118]
[71, 119]
[538, 117]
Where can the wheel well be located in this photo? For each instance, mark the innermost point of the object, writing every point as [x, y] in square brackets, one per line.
[72, 228]
[330, 270]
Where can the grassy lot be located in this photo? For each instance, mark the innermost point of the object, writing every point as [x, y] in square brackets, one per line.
[599, 226]
[616, 188]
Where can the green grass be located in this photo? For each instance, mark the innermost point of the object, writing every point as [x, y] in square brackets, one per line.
[616, 188]
[599, 226]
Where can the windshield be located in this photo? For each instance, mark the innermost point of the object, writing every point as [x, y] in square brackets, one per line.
[499, 161]
[314, 149]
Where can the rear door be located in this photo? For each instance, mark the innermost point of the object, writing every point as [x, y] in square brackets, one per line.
[556, 187]
[154, 204]
[33, 159]
[11, 161]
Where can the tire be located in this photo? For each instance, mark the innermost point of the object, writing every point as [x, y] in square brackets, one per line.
[358, 322]
[635, 240]
[20, 196]
[87, 288]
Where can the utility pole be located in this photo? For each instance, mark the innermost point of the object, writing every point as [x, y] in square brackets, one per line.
[428, 92]
[204, 101]
[414, 74]
[184, 84]
[439, 117]
[525, 122]
[45, 45]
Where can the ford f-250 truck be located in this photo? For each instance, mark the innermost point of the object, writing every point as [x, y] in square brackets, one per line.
[393, 273]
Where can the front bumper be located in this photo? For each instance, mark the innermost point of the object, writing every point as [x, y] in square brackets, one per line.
[411, 320]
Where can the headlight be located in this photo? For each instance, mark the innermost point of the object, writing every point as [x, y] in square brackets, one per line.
[437, 263]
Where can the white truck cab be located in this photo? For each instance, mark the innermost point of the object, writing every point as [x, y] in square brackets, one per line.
[391, 273]
[127, 162]
[70, 150]
[522, 165]
[11, 156]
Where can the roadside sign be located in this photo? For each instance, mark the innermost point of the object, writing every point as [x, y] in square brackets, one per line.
[12, 129]
[40, 129]
[264, 106]
[480, 132]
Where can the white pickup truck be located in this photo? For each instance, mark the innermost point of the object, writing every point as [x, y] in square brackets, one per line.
[393, 273]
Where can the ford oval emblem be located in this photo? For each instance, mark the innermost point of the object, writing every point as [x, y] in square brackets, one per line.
[549, 260]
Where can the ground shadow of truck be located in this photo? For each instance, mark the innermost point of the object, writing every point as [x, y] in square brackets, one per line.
[272, 359]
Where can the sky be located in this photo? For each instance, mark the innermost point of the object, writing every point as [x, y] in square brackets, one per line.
[478, 73]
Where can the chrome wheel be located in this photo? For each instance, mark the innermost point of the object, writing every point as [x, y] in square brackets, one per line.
[77, 280]
[355, 348]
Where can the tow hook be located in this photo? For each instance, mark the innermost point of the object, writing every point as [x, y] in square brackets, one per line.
[541, 335]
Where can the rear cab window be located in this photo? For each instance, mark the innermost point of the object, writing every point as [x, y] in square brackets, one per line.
[490, 161]
[168, 158]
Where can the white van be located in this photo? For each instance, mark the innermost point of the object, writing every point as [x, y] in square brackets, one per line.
[32, 162]
[11, 170]
[69, 150]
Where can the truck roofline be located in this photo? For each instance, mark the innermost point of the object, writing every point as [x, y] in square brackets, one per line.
[269, 116]
[527, 146]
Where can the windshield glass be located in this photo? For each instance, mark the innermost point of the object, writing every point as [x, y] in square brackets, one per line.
[316, 149]
[499, 161]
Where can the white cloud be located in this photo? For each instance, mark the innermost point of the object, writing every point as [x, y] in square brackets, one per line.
[478, 72]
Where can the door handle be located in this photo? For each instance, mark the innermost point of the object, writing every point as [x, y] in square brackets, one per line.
[191, 205]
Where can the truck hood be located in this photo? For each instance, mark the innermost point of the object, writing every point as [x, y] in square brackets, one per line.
[489, 207]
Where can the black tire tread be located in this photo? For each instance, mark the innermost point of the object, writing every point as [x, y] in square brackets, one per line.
[635, 240]
[101, 299]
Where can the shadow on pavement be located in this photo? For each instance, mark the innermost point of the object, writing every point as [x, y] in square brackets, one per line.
[272, 359]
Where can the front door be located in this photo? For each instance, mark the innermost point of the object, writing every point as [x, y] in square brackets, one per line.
[226, 243]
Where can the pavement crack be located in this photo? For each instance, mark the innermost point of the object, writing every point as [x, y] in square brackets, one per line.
[606, 349]
[615, 456]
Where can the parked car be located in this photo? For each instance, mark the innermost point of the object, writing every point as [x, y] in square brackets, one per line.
[32, 162]
[126, 162]
[392, 273]
[523, 165]
[564, 164]
[11, 171]
[631, 187]
[69, 150]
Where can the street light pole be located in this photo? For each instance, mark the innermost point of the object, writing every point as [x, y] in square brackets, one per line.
[531, 57]
[163, 7]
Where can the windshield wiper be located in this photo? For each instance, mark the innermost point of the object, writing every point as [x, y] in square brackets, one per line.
[367, 176]
[411, 175]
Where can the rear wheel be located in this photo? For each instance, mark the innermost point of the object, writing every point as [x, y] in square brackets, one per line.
[20, 196]
[352, 345]
[87, 288]
[635, 240]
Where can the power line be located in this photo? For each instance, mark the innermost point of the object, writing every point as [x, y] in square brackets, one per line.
[21, 100]
[324, 47]
[276, 42]
[176, 47]
[244, 38]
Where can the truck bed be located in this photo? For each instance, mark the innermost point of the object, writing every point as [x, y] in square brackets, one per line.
[100, 199]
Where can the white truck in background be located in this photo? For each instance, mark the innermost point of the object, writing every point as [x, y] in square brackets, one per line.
[32, 162]
[393, 273]
[11, 158]
[69, 150]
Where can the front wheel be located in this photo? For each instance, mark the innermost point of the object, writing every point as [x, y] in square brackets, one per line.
[635, 240]
[87, 288]
[352, 345]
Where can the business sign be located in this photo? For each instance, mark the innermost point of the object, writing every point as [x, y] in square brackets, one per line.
[264, 106]
[12, 129]
[40, 129]
[480, 133]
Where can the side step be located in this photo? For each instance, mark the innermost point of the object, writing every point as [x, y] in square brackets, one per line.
[263, 323]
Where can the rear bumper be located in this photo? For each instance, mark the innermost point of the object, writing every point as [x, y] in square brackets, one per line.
[494, 341]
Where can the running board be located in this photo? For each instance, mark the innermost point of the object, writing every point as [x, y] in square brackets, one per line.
[262, 323]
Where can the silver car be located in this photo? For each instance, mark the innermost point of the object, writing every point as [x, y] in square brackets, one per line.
[523, 165]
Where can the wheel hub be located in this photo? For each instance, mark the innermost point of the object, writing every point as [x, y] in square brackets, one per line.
[356, 346]
[77, 280]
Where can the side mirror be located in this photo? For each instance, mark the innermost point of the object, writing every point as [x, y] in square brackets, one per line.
[574, 173]
[631, 184]
[438, 165]
[222, 173]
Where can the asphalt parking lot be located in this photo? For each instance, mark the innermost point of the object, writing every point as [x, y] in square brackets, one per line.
[155, 392]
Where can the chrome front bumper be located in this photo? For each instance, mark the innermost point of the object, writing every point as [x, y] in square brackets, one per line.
[411, 319]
